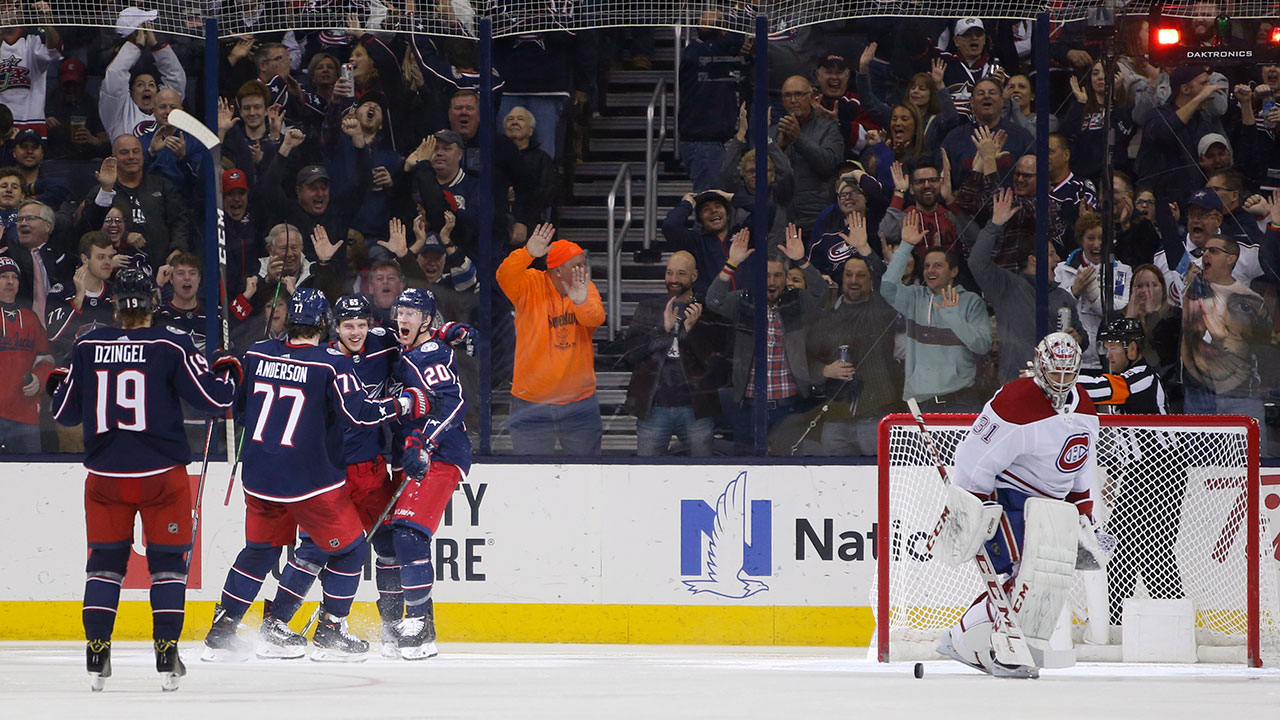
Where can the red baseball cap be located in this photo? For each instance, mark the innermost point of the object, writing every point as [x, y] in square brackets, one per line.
[234, 179]
[71, 71]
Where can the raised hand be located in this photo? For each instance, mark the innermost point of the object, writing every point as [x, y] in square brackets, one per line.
[351, 128]
[396, 241]
[936, 71]
[325, 250]
[226, 117]
[177, 144]
[912, 229]
[1078, 91]
[691, 315]
[1002, 206]
[1275, 207]
[900, 181]
[794, 249]
[292, 139]
[106, 174]
[577, 286]
[741, 134]
[948, 298]
[740, 247]
[275, 120]
[868, 55]
[422, 153]
[540, 239]
[856, 238]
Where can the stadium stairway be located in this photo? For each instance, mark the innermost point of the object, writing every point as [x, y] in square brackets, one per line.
[617, 135]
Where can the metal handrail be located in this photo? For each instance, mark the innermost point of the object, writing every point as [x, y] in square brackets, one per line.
[679, 51]
[613, 301]
[657, 108]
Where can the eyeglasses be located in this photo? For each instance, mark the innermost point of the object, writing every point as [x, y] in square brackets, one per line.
[29, 218]
[1219, 188]
[1145, 203]
[926, 181]
[849, 195]
[1217, 251]
[113, 221]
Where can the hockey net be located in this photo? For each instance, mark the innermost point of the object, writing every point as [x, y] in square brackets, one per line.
[1181, 493]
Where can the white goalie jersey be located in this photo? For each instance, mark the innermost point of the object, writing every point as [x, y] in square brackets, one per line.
[1020, 442]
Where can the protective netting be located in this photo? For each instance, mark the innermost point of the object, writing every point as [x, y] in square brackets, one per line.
[513, 17]
[1175, 498]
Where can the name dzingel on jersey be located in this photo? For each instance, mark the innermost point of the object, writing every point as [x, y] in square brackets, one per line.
[119, 354]
[281, 371]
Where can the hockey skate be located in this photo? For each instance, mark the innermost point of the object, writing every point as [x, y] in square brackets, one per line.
[390, 641]
[277, 641]
[223, 643]
[335, 643]
[989, 665]
[417, 636]
[169, 664]
[98, 663]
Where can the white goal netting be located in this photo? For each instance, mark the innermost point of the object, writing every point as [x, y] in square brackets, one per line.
[1181, 495]
[512, 17]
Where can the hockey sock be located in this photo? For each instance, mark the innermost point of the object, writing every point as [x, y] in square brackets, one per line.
[168, 593]
[342, 577]
[296, 580]
[387, 577]
[244, 580]
[413, 549]
[105, 571]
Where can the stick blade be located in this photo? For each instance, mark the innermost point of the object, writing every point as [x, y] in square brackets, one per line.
[187, 123]
[914, 407]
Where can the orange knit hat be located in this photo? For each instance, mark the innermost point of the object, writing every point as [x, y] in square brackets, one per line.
[561, 252]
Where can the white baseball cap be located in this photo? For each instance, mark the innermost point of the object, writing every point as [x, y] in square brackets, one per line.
[964, 25]
[131, 18]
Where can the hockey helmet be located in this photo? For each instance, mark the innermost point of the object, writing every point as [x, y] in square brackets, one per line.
[352, 306]
[417, 299]
[133, 289]
[1124, 330]
[308, 306]
[1056, 366]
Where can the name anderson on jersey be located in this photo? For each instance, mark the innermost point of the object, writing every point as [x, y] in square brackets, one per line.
[118, 354]
[282, 371]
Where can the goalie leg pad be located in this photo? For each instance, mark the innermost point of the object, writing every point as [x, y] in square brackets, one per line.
[1050, 535]
[966, 524]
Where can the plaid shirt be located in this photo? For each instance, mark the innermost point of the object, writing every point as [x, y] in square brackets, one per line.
[780, 384]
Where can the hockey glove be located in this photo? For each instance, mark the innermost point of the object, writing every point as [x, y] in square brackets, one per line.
[1095, 546]
[230, 367]
[456, 334]
[417, 455]
[413, 403]
[55, 379]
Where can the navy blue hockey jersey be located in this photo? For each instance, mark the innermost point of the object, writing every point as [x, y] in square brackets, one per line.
[295, 403]
[431, 367]
[125, 386]
[373, 365]
[193, 322]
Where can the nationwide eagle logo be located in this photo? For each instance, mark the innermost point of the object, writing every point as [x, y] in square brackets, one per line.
[739, 546]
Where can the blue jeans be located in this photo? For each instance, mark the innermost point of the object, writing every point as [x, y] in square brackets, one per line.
[18, 437]
[1199, 401]
[703, 161]
[653, 433]
[535, 427]
[546, 111]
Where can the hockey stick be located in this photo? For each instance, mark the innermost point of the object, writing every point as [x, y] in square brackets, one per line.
[1007, 640]
[204, 474]
[187, 123]
[368, 537]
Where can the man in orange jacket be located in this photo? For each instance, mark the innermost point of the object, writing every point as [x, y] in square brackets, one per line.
[553, 392]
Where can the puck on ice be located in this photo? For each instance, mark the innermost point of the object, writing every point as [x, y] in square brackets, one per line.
[919, 670]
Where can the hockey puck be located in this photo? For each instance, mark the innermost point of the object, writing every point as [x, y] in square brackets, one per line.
[919, 670]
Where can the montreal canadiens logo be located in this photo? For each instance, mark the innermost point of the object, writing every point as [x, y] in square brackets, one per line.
[1074, 453]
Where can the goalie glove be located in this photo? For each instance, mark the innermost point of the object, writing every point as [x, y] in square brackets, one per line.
[230, 367]
[417, 455]
[456, 334]
[1095, 546]
[413, 403]
[55, 379]
[967, 524]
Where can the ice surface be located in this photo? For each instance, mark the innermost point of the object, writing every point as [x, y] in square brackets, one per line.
[47, 681]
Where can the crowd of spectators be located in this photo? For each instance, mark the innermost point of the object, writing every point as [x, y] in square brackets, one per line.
[901, 213]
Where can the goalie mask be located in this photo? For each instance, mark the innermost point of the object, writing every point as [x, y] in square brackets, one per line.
[1056, 366]
[414, 314]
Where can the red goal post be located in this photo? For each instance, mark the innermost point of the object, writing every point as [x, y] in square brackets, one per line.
[1194, 482]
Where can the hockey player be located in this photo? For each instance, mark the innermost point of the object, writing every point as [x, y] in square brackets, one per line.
[297, 399]
[123, 386]
[1146, 506]
[1027, 466]
[434, 455]
[374, 352]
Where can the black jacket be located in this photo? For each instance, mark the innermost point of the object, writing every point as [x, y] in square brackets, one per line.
[647, 348]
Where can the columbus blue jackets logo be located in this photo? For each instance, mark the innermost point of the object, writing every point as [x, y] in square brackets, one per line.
[1075, 451]
[739, 546]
